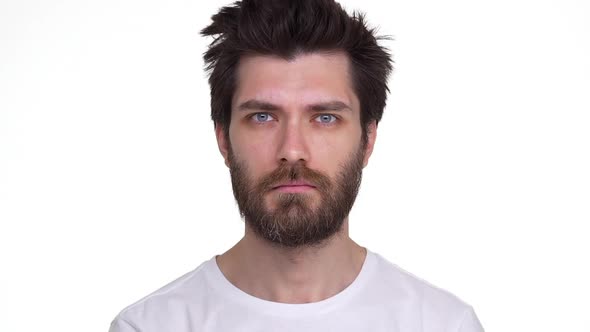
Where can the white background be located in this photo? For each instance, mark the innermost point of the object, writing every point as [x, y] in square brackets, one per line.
[111, 184]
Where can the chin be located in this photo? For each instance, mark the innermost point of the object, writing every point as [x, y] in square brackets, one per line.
[291, 201]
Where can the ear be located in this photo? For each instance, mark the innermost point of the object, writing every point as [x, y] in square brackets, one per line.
[371, 137]
[222, 143]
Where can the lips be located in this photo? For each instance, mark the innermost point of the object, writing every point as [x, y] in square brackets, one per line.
[294, 184]
[289, 188]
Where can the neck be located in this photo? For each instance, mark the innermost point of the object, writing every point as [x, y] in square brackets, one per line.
[292, 275]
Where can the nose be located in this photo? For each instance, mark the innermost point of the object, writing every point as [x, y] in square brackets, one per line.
[292, 146]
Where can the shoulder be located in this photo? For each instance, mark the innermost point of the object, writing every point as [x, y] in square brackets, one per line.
[432, 305]
[167, 301]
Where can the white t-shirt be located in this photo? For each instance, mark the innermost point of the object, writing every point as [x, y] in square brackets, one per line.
[383, 297]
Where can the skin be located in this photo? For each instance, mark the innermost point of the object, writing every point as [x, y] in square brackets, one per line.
[311, 115]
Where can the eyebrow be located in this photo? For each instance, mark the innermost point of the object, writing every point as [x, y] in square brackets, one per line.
[254, 104]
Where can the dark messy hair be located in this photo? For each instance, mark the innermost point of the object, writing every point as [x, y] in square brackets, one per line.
[286, 28]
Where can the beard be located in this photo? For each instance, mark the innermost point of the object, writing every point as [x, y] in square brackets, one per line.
[297, 219]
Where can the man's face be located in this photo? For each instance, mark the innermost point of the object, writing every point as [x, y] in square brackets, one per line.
[294, 152]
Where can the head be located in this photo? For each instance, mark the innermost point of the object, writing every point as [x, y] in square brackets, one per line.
[297, 90]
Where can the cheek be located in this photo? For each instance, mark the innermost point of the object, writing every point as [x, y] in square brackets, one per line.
[331, 151]
[256, 155]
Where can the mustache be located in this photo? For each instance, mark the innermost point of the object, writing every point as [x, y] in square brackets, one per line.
[292, 172]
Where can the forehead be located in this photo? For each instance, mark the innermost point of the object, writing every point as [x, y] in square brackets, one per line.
[307, 78]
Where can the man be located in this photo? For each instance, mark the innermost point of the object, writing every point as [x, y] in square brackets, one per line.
[297, 90]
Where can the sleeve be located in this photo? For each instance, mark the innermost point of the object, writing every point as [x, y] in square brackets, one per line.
[121, 325]
[470, 322]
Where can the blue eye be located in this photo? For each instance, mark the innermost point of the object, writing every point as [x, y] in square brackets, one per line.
[262, 117]
[326, 118]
